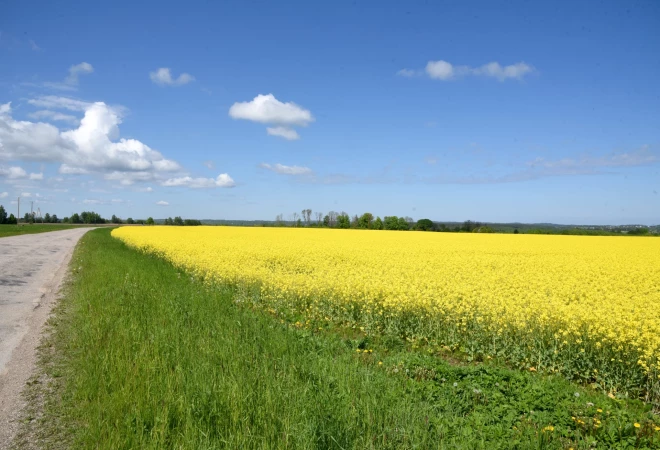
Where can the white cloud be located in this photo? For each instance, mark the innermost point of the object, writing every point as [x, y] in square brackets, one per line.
[162, 203]
[55, 116]
[4, 194]
[268, 109]
[287, 170]
[287, 133]
[13, 172]
[34, 46]
[93, 146]
[25, 194]
[88, 201]
[407, 73]
[68, 170]
[163, 77]
[445, 71]
[209, 164]
[223, 180]
[440, 70]
[55, 102]
[495, 70]
[75, 71]
[37, 176]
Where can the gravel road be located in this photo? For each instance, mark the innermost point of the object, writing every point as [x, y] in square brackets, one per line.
[31, 270]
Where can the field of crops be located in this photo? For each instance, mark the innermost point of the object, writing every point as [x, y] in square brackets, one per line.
[584, 307]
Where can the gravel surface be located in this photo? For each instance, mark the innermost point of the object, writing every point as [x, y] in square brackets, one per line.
[31, 271]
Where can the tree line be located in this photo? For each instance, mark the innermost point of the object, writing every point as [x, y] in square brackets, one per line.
[367, 221]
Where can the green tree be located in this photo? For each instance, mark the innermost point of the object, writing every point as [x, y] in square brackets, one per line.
[343, 221]
[425, 225]
[391, 223]
[54, 219]
[11, 220]
[378, 224]
[365, 220]
[178, 221]
[130, 221]
[3, 214]
[150, 221]
[403, 224]
[75, 218]
[47, 218]
[326, 221]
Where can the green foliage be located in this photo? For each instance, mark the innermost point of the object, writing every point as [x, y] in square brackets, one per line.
[144, 356]
[11, 220]
[3, 215]
[403, 224]
[391, 223]
[483, 229]
[150, 221]
[365, 221]
[378, 224]
[425, 225]
[343, 221]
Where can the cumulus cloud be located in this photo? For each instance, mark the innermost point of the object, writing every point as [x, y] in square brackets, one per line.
[4, 194]
[13, 172]
[93, 146]
[37, 176]
[223, 180]
[446, 71]
[162, 203]
[267, 109]
[286, 170]
[287, 133]
[47, 114]
[163, 77]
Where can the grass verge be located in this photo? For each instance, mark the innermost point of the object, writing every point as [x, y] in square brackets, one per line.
[15, 230]
[139, 355]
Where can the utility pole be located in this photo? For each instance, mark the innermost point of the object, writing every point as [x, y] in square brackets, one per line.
[32, 210]
[18, 218]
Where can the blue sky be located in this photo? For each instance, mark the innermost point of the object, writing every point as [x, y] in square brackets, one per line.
[491, 111]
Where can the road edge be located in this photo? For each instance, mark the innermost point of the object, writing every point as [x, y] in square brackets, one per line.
[23, 363]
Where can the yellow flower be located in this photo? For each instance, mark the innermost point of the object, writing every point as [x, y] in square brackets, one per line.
[637, 425]
[599, 410]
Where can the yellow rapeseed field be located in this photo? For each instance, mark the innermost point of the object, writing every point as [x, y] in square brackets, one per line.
[584, 306]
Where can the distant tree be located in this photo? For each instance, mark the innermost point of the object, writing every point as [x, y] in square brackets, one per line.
[299, 223]
[11, 220]
[65, 220]
[366, 220]
[192, 222]
[150, 221]
[469, 226]
[279, 220]
[54, 219]
[296, 221]
[378, 224]
[169, 221]
[343, 221]
[3, 214]
[28, 218]
[443, 228]
[130, 221]
[326, 220]
[47, 218]
[403, 224]
[355, 221]
[410, 221]
[483, 229]
[115, 219]
[515, 231]
[391, 223]
[425, 225]
[319, 217]
[332, 216]
[178, 221]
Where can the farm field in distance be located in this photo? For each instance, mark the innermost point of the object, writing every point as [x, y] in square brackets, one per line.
[587, 308]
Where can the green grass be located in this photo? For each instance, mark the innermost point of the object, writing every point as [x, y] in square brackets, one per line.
[14, 230]
[142, 356]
